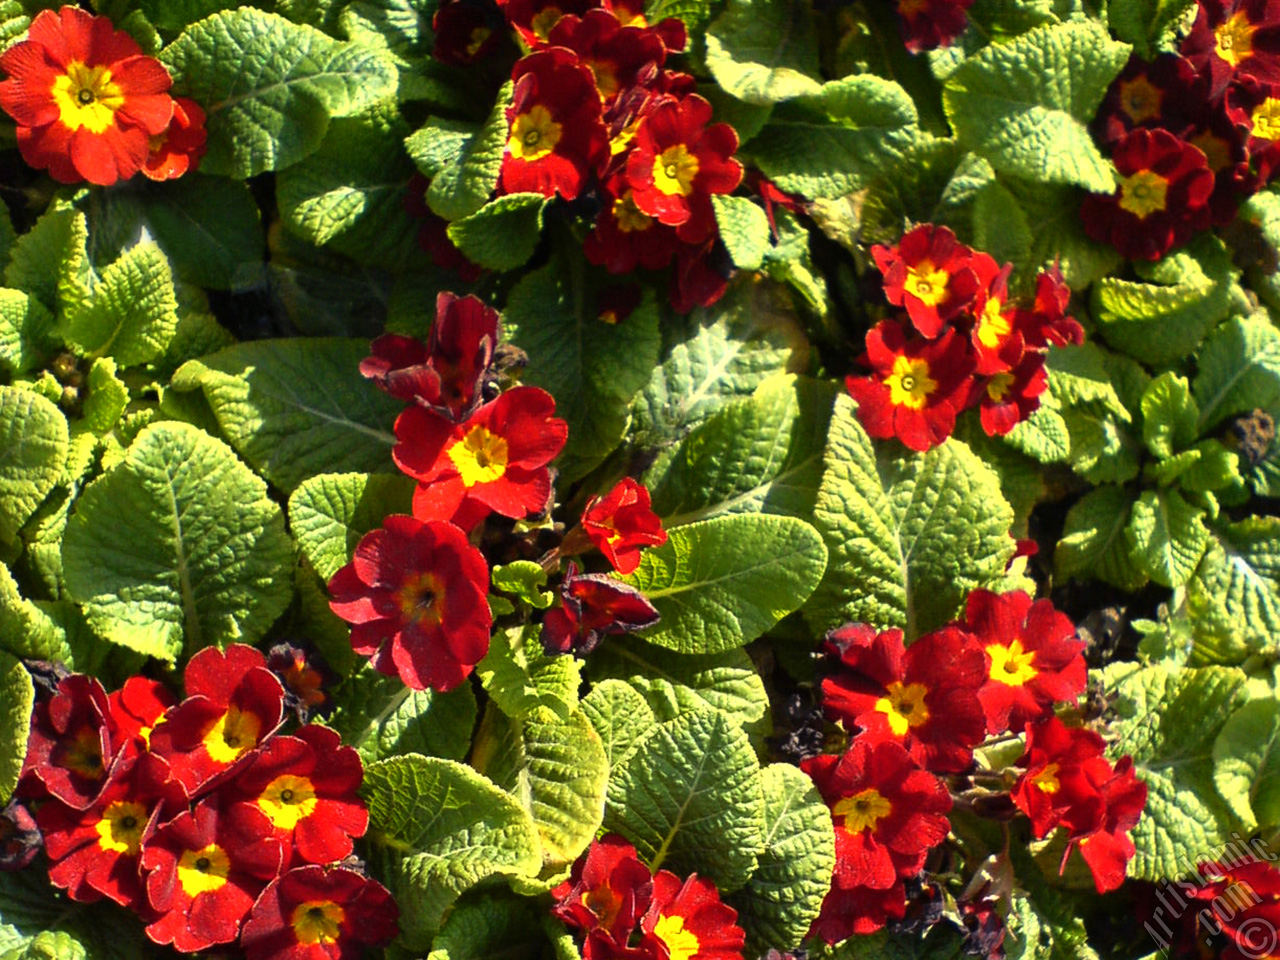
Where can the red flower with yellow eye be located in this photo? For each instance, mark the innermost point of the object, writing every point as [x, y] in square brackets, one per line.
[1161, 200]
[622, 522]
[71, 745]
[615, 54]
[313, 913]
[494, 462]
[233, 703]
[625, 237]
[679, 162]
[1255, 107]
[306, 785]
[609, 888]
[178, 150]
[1008, 397]
[929, 24]
[415, 592]
[1035, 658]
[687, 920]
[136, 708]
[916, 389]
[929, 274]
[1045, 792]
[1231, 39]
[1161, 93]
[86, 100]
[997, 343]
[556, 136]
[204, 872]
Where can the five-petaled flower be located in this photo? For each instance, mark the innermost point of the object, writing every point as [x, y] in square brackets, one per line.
[1231, 39]
[930, 275]
[608, 889]
[688, 921]
[622, 522]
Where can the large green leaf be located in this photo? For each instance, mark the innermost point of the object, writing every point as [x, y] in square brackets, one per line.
[1144, 22]
[329, 513]
[1246, 764]
[34, 443]
[1234, 598]
[521, 677]
[504, 233]
[179, 542]
[463, 160]
[133, 312]
[1094, 544]
[620, 716]
[1025, 104]
[25, 629]
[1238, 370]
[909, 536]
[720, 583]
[764, 51]
[297, 408]
[1167, 535]
[690, 798]
[269, 87]
[381, 717]
[17, 698]
[437, 828]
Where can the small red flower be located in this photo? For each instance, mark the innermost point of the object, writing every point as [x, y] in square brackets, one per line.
[625, 237]
[71, 745]
[1161, 200]
[1045, 792]
[178, 150]
[621, 522]
[609, 889]
[1161, 93]
[1255, 107]
[593, 606]
[1240, 901]
[1036, 659]
[1010, 396]
[1108, 848]
[313, 913]
[534, 20]
[929, 24]
[494, 462]
[1046, 322]
[917, 387]
[924, 696]
[85, 99]
[679, 162]
[415, 592]
[136, 708]
[556, 134]
[616, 54]
[930, 275]
[858, 911]
[688, 921]
[1231, 39]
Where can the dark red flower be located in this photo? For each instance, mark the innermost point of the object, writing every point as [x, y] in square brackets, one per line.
[1036, 658]
[495, 461]
[615, 54]
[930, 275]
[1255, 107]
[625, 237]
[688, 921]
[609, 888]
[1231, 39]
[1161, 200]
[679, 162]
[1006, 398]
[466, 31]
[858, 911]
[85, 99]
[593, 606]
[997, 343]
[1162, 93]
[178, 150]
[1044, 792]
[71, 745]
[929, 24]
[313, 913]
[534, 20]
[1046, 322]
[304, 676]
[415, 591]
[622, 522]
[204, 872]
[924, 696]
[1240, 902]
[701, 274]
[917, 387]
[557, 137]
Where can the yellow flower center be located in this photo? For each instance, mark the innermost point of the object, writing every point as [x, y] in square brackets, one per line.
[629, 217]
[681, 943]
[317, 921]
[418, 599]
[476, 40]
[1234, 38]
[998, 386]
[545, 22]
[1217, 152]
[993, 326]
[909, 383]
[232, 735]
[623, 140]
[862, 811]
[83, 755]
[1012, 665]
[534, 134]
[121, 826]
[86, 97]
[288, 799]
[904, 706]
[480, 456]
[674, 170]
[604, 903]
[926, 283]
[1143, 193]
[1140, 99]
[1266, 119]
[203, 871]
[1047, 779]
[606, 78]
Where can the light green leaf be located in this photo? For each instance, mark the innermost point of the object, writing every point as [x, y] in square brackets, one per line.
[1094, 544]
[1246, 764]
[720, 583]
[38, 256]
[1001, 227]
[1233, 600]
[502, 234]
[1080, 374]
[520, 677]
[1025, 104]
[106, 398]
[297, 408]
[270, 87]
[1043, 436]
[1238, 370]
[180, 542]
[524, 580]
[1169, 415]
[17, 698]
[620, 716]
[784, 895]
[133, 311]
[1103, 448]
[462, 180]
[744, 228]
[690, 798]
[436, 829]
[484, 930]
[764, 51]
[34, 443]
[909, 536]
[381, 717]
[1057, 234]
[24, 326]
[1167, 536]
[329, 513]
[25, 629]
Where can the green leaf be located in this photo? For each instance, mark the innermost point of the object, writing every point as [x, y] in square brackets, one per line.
[1025, 104]
[761, 454]
[1001, 227]
[556, 768]
[1233, 600]
[1094, 544]
[830, 143]
[270, 87]
[620, 716]
[520, 677]
[1103, 448]
[209, 227]
[25, 326]
[524, 580]
[1043, 436]
[1238, 370]
[381, 717]
[329, 513]
[1057, 234]
[1167, 536]
[436, 829]
[1080, 374]
[784, 895]
[25, 629]
[720, 583]
[909, 536]
[694, 13]
[504, 233]
[106, 398]
[484, 930]
[37, 256]
[179, 542]
[1168, 722]
[297, 408]
[592, 368]
[463, 178]
[17, 698]
[34, 443]
[764, 51]
[744, 228]
[1169, 415]
[1144, 22]
[672, 685]
[133, 311]
[690, 798]
[1246, 764]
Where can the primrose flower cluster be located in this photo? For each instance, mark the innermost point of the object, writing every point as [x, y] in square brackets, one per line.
[919, 712]
[200, 815]
[416, 589]
[90, 105]
[958, 344]
[1193, 133]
